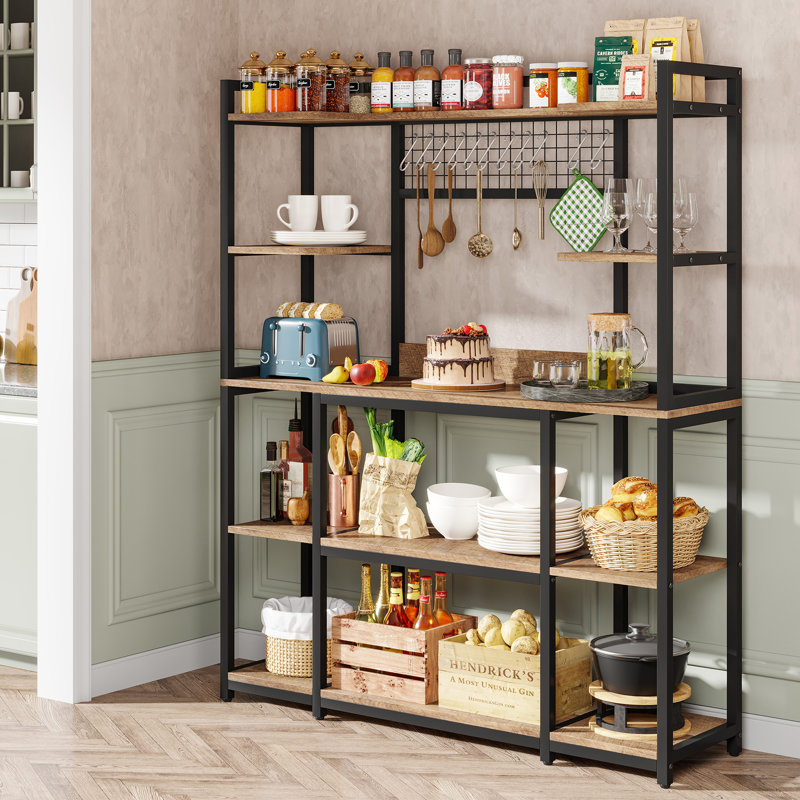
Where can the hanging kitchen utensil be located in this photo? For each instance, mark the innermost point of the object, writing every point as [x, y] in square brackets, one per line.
[449, 226]
[541, 172]
[479, 244]
[419, 227]
[338, 451]
[432, 241]
[578, 215]
[516, 236]
[354, 451]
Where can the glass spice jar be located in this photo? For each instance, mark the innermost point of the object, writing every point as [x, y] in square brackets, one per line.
[478, 83]
[310, 72]
[360, 85]
[543, 85]
[337, 84]
[427, 84]
[573, 82]
[403, 83]
[252, 86]
[507, 82]
[280, 83]
[453, 82]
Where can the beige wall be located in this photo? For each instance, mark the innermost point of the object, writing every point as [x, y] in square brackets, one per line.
[156, 193]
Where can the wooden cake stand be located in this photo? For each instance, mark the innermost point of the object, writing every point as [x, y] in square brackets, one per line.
[426, 383]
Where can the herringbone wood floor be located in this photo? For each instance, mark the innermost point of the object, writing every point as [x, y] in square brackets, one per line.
[174, 740]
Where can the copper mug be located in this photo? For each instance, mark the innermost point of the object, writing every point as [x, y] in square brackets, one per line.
[343, 500]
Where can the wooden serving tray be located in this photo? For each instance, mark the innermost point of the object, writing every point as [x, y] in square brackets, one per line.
[582, 394]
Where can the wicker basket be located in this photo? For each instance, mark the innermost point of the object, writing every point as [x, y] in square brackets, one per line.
[291, 658]
[631, 545]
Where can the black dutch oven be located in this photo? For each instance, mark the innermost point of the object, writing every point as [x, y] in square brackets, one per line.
[626, 663]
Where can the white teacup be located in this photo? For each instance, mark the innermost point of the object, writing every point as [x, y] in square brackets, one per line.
[336, 209]
[15, 105]
[20, 178]
[302, 212]
[19, 35]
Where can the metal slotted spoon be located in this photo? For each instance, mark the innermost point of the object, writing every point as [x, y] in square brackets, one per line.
[479, 244]
[516, 236]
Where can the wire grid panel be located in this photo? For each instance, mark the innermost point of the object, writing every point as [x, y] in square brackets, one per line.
[503, 148]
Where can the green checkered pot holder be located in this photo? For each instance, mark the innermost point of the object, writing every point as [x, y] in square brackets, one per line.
[578, 215]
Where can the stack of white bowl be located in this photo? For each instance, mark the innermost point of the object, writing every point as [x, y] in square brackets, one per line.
[511, 523]
[453, 508]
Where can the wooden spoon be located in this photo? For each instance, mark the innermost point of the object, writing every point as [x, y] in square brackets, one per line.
[432, 241]
[448, 226]
[354, 451]
[419, 228]
[338, 452]
[344, 423]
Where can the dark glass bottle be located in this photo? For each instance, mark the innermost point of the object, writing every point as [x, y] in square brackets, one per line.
[272, 486]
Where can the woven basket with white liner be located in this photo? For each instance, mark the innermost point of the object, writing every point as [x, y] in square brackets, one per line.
[288, 628]
[632, 545]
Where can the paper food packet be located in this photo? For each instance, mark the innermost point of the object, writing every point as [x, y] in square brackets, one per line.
[627, 27]
[667, 39]
[698, 57]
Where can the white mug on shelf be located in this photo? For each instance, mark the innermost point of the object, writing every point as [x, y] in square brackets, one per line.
[20, 178]
[336, 209]
[19, 36]
[2, 37]
[302, 212]
[15, 105]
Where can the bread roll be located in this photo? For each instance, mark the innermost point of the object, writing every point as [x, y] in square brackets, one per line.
[625, 490]
[645, 504]
[684, 507]
[608, 514]
[625, 508]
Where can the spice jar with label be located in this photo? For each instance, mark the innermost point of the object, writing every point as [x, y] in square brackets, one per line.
[280, 83]
[252, 85]
[310, 72]
[427, 84]
[403, 84]
[573, 82]
[453, 82]
[478, 83]
[507, 82]
[337, 83]
[360, 85]
[543, 85]
[382, 85]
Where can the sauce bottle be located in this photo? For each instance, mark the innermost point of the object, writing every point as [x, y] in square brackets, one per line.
[453, 82]
[382, 85]
[403, 84]
[299, 459]
[427, 84]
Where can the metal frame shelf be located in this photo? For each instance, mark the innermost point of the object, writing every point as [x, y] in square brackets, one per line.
[673, 406]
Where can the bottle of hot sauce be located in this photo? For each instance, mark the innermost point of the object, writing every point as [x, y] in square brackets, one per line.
[403, 84]
[427, 84]
[453, 82]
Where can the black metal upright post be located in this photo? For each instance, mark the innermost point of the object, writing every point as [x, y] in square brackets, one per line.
[547, 583]
[398, 257]
[734, 233]
[319, 507]
[734, 579]
[227, 394]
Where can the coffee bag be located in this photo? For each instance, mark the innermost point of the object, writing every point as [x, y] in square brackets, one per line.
[627, 27]
[698, 57]
[667, 39]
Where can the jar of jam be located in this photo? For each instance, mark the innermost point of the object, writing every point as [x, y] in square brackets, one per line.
[507, 82]
[280, 83]
[337, 83]
[573, 82]
[311, 74]
[360, 85]
[543, 85]
[478, 83]
[252, 86]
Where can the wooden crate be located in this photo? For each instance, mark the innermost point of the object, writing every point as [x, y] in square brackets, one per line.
[408, 671]
[499, 683]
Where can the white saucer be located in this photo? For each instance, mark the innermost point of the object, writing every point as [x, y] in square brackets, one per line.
[499, 504]
[334, 238]
[524, 550]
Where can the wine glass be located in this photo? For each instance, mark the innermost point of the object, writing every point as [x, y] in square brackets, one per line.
[644, 188]
[684, 217]
[617, 210]
[650, 215]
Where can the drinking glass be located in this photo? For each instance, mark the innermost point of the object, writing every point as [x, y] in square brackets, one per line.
[617, 210]
[650, 215]
[644, 188]
[684, 217]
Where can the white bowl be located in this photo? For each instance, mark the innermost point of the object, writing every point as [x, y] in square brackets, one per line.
[520, 484]
[457, 494]
[454, 522]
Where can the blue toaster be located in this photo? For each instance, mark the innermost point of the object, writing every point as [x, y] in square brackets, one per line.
[306, 348]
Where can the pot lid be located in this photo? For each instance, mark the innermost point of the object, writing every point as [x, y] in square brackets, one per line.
[637, 644]
[311, 62]
[255, 65]
[359, 66]
[336, 63]
[280, 63]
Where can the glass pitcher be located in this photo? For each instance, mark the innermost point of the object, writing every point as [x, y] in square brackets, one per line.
[609, 359]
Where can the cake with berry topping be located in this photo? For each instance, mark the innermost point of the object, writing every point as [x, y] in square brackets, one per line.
[459, 357]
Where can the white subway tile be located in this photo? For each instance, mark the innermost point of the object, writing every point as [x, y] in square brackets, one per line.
[5, 278]
[12, 212]
[12, 256]
[5, 232]
[14, 277]
[31, 212]
[22, 234]
[5, 296]
[31, 257]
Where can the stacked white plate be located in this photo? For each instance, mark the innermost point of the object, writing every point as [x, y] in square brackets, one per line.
[319, 238]
[508, 528]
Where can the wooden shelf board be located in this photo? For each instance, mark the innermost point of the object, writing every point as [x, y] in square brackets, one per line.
[274, 530]
[257, 675]
[624, 258]
[296, 250]
[624, 108]
[510, 397]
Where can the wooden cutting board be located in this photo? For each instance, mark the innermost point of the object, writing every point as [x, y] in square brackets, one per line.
[27, 325]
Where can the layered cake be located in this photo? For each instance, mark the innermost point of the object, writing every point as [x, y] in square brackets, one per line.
[459, 357]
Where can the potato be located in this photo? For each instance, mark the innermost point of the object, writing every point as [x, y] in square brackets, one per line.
[524, 616]
[512, 629]
[493, 637]
[525, 644]
[486, 624]
[529, 629]
[472, 636]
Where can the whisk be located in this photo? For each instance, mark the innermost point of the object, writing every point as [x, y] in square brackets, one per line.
[541, 172]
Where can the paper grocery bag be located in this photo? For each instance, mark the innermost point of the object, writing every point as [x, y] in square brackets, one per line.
[667, 38]
[698, 57]
[388, 507]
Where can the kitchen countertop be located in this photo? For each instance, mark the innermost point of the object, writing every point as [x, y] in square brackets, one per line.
[18, 380]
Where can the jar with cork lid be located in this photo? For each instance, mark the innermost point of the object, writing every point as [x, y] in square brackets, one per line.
[337, 83]
[360, 85]
[280, 83]
[609, 359]
[252, 85]
[311, 73]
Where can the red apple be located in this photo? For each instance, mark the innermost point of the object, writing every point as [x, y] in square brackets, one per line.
[362, 374]
[381, 369]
